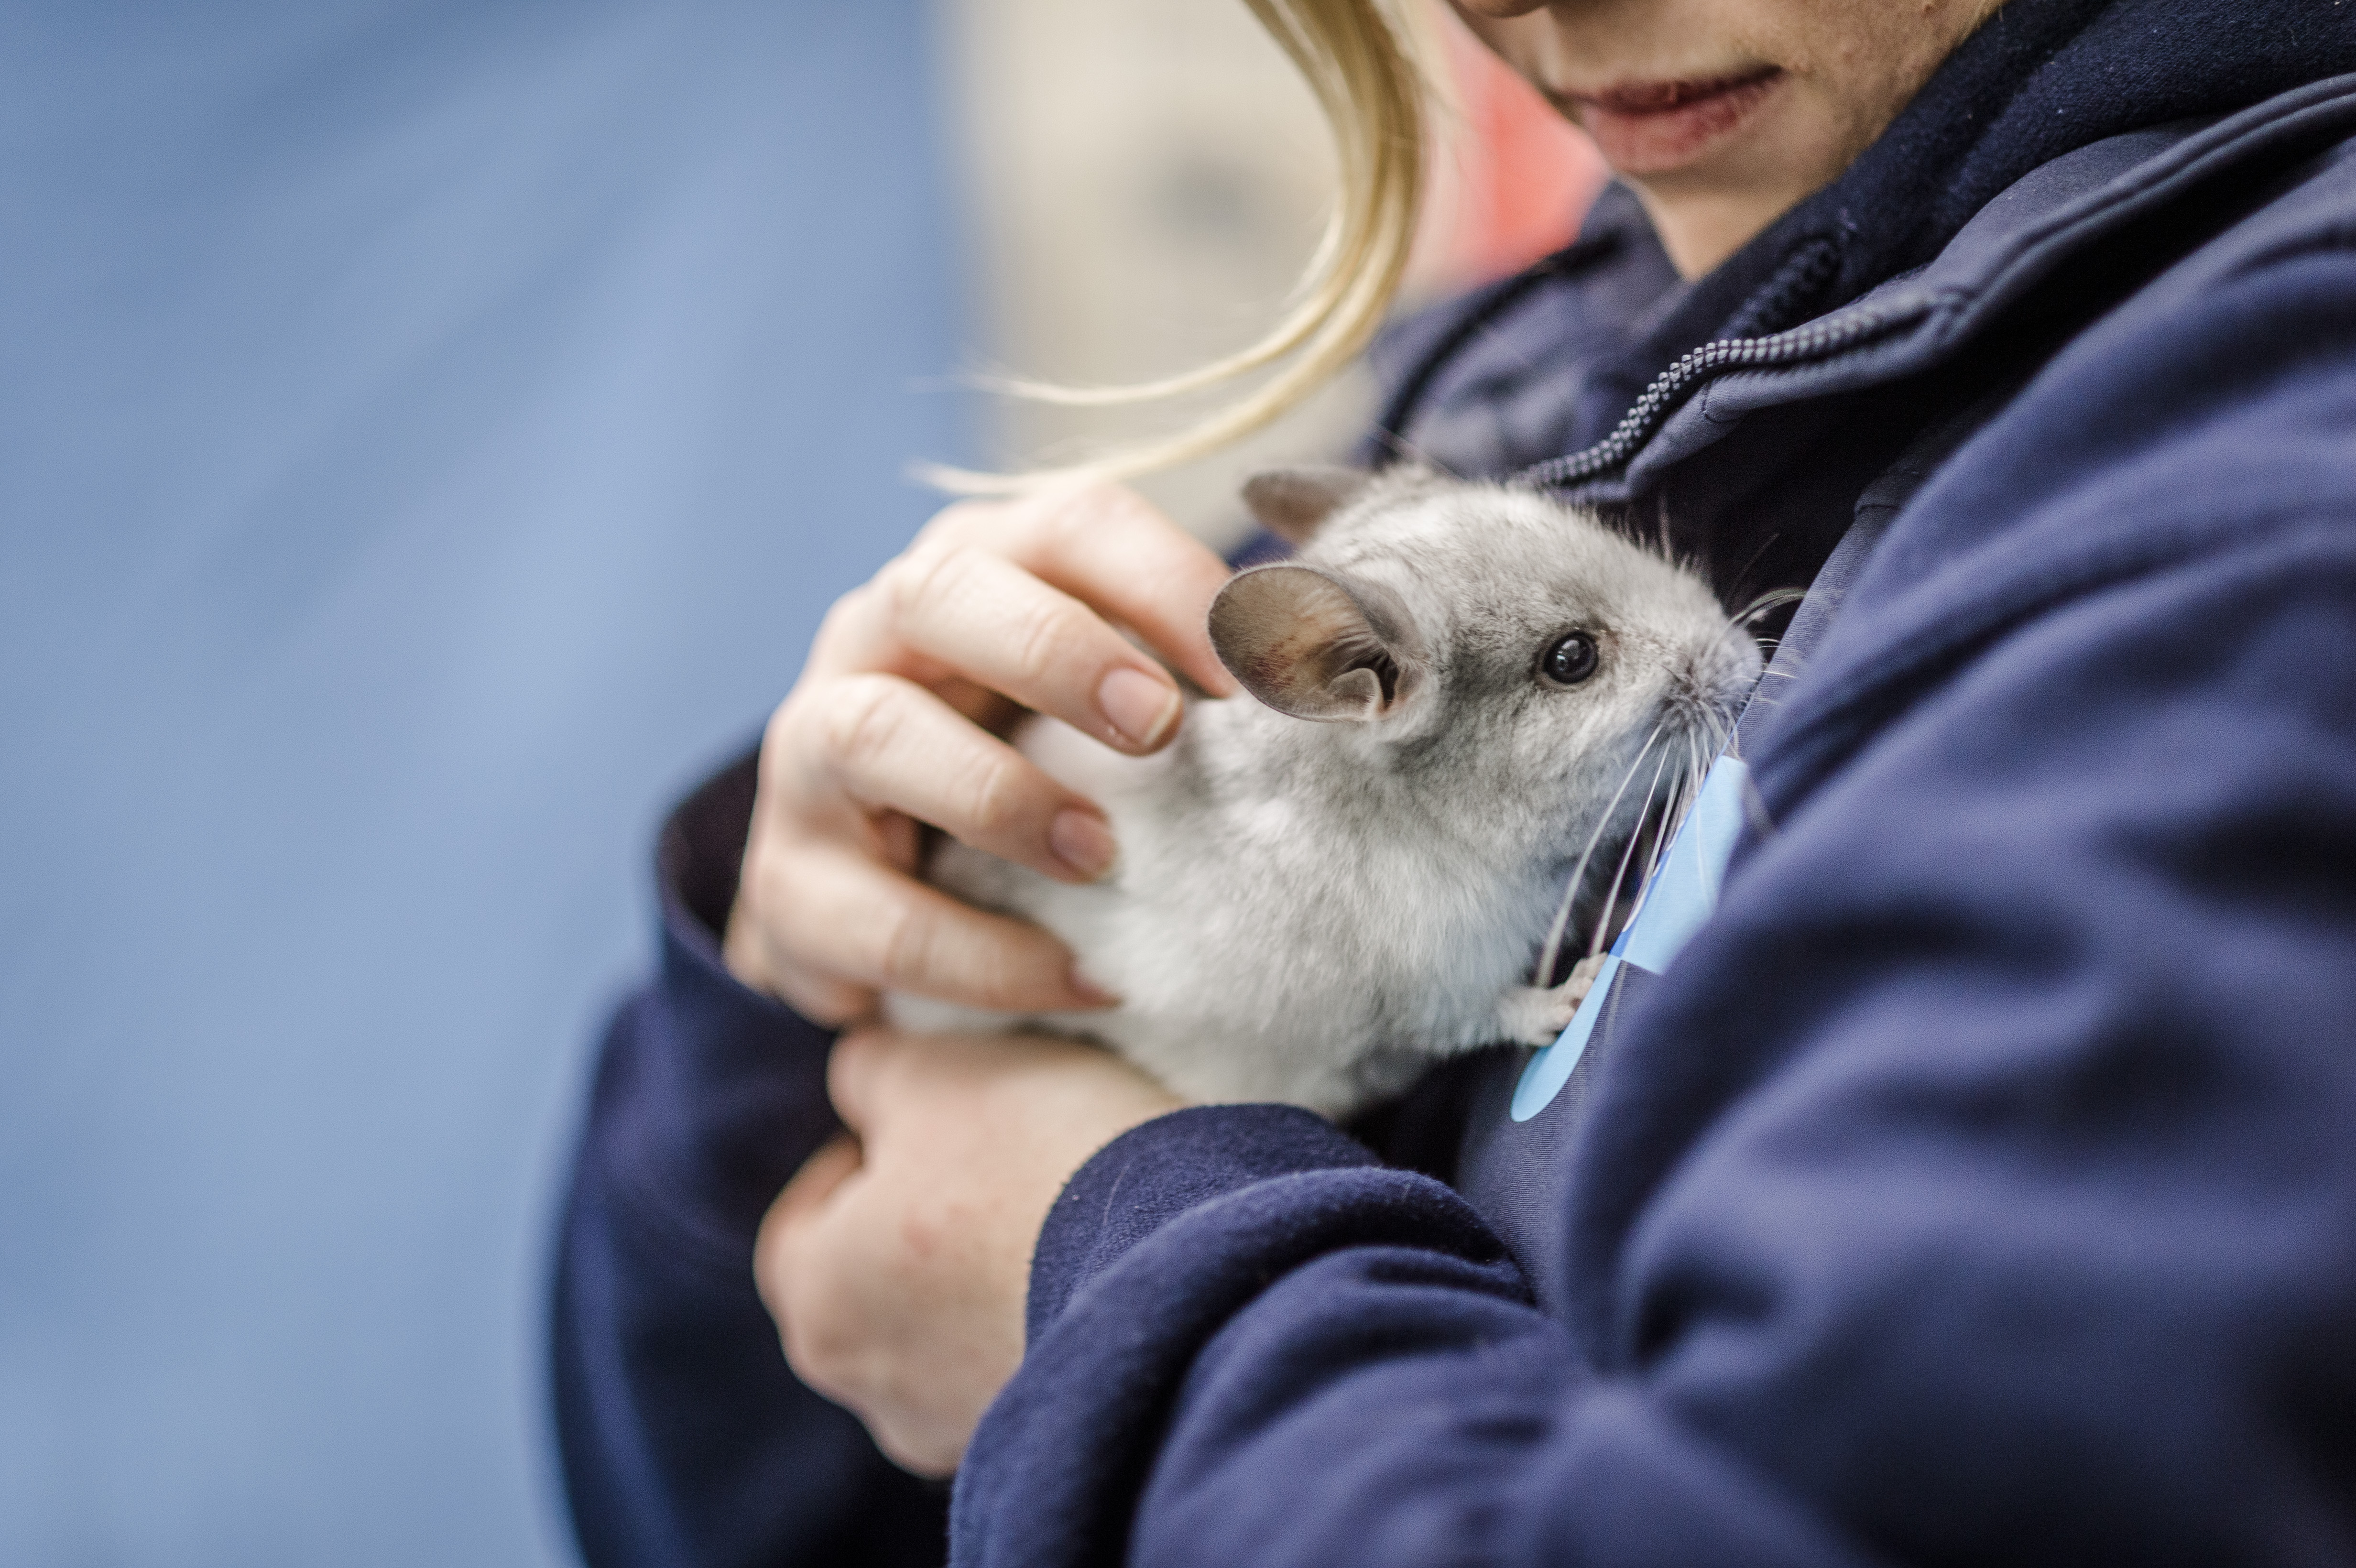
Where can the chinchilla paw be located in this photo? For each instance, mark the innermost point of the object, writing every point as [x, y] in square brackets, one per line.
[1534, 1015]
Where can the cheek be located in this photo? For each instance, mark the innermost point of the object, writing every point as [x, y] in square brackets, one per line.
[1525, 38]
[1865, 58]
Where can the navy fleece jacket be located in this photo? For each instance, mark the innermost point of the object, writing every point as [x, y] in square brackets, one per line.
[1979, 1185]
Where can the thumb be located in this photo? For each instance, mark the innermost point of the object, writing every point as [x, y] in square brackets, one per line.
[795, 1207]
[836, 1162]
[855, 1074]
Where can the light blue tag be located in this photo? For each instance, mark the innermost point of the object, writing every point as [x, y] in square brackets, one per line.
[1673, 906]
[1549, 1070]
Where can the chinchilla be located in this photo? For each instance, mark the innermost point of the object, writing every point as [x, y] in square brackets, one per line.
[1458, 700]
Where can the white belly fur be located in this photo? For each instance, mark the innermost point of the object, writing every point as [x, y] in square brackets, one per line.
[1254, 960]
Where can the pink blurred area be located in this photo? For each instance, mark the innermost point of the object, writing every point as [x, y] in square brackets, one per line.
[1521, 177]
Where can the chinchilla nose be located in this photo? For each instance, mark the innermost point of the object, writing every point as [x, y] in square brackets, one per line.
[1718, 675]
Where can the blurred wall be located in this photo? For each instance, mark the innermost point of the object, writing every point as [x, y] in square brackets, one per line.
[429, 430]
[1147, 179]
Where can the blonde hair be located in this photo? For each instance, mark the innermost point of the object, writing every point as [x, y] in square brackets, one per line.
[1359, 58]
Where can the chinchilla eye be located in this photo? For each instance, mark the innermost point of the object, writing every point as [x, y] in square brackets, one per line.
[1571, 660]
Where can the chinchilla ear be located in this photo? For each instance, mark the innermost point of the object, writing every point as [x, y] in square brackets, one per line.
[1291, 503]
[1318, 643]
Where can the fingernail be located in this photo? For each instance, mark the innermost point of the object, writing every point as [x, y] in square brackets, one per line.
[1087, 991]
[1082, 841]
[1141, 707]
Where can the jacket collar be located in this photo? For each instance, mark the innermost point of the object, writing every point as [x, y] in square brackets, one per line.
[2041, 80]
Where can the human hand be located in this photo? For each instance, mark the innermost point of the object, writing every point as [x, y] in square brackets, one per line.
[897, 1262]
[996, 607]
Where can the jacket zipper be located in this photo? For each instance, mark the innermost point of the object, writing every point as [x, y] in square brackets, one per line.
[1643, 419]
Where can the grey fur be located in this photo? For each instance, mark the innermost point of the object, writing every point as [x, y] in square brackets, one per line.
[1309, 910]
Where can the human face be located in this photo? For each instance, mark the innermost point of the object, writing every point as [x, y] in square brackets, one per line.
[1721, 114]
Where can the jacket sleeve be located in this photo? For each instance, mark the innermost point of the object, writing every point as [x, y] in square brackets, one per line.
[1978, 1186]
[684, 1437]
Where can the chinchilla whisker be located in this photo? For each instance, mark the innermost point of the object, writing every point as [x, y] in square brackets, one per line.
[1666, 824]
[1620, 876]
[1672, 813]
[1555, 933]
[1620, 872]
[1681, 799]
[1408, 449]
[1553, 950]
[1774, 598]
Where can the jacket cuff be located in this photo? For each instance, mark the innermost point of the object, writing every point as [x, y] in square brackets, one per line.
[1159, 1242]
[712, 1094]
[1152, 1174]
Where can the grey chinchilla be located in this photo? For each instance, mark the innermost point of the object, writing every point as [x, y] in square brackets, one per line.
[1458, 699]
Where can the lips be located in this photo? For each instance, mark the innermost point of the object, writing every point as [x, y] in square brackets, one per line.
[1652, 127]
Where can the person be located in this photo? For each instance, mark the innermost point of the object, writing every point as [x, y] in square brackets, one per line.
[1978, 1183]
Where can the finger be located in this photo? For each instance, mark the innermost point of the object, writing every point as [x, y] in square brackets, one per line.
[978, 703]
[918, 1445]
[857, 637]
[854, 1069]
[889, 744]
[798, 1273]
[845, 916]
[970, 609]
[1115, 550]
[874, 1069]
[822, 998]
[1102, 545]
[816, 1183]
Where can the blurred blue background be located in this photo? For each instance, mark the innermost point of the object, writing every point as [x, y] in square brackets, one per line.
[429, 432]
